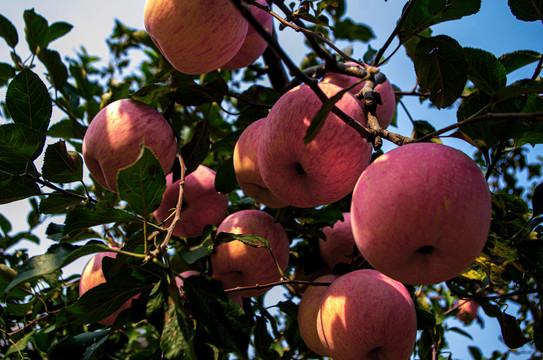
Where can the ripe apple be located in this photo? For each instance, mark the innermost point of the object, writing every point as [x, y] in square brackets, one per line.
[307, 315]
[195, 38]
[326, 169]
[246, 166]
[114, 137]
[236, 264]
[367, 315]
[384, 112]
[254, 45]
[467, 311]
[339, 243]
[93, 276]
[421, 213]
[202, 204]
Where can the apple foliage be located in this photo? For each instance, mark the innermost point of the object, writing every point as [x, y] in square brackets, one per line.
[42, 315]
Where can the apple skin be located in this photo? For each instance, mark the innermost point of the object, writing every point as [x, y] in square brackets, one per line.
[202, 204]
[236, 264]
[326, 169]
[307, 315]
[246, 166]
[421, 213]
[339, 243]
[254, 45]
[114, 137]
[366, 315]
[384, 112]
[195, 39]
[467, 311]
[93, 276]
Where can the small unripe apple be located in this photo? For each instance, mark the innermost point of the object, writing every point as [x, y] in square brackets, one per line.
[385, 111]
[202, 204]
[307, 314]
[236, 264]
[195, 37]
[254, 45]
[339, 243]
[246, 166]
[421, 213]
[114, 137]
[366, 315]
[327, 168]
[93, 276]
[467, 311]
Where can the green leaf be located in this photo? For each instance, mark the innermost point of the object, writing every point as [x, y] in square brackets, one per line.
[178, 335]
[225, 178]
[422, 128]
[36, 29]
[19, 346]
[57, 203]
[19, 147]
[196, 150]
[67, 130]
[6, 72]
[485, 70]
[475, 353]
[537, 200]
[13, 188]
[58, 29]
[28, 101]
[143, 183]
[56, 257]
[516, 60]
[527, 10]
[58, 72]
[151, 93]
[83, 346]
[61, 165]
[426, 13]
[251, 240]
[80, 219]
[521, 87]
[441, 69]
[347, 29]
[8, 32]
[187, 92]
[511, 332]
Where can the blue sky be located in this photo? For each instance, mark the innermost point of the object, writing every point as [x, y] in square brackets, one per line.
[493, 29]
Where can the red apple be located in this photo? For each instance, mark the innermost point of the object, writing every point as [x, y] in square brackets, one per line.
[114, 137]
[236, 264]
[385, 111]
[307, 315]
[195, 38]
[366, 315]
[339, 243]
[254, 45]
[93, 276]
[246, 166]
[421, 213]
[202, 204]
[326, 169]
[467, 311]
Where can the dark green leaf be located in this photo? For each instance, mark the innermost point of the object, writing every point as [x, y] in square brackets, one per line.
[461, 332]
[187, 92]
[143, 183]
[5, 225]
[81, 219]
[151, 93]
[36, 29]
[6, 71]
[485, 71]
[516, 60]
[251, 240]
[58, 72]
[8, 32]
[426, 13]
[369, 55]
[441, 69]
[347, 29]
[20, 346]
[537, 200]
[196, 150]
[225, 178]
[19, 147]
[511, 332]
[83, 346]
[475, 353]
[61, 165]
[422, 128]
[58, 29]
[13, 188]
[178, 335]
[67, 130]
[56, 257]
[521, 87]
[28, 101]
[263, 340]
[527, 10]
[57, 203]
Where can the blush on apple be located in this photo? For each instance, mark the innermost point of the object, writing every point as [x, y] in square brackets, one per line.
[339, 243]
